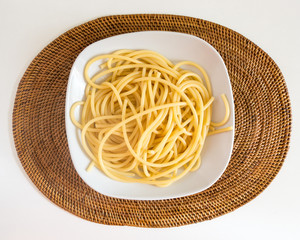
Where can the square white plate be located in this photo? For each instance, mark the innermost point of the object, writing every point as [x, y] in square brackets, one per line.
[176, 47]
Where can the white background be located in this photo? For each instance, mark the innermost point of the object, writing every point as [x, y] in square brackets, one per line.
[26, 27]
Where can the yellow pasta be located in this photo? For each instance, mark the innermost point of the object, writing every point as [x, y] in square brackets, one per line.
[148, 120]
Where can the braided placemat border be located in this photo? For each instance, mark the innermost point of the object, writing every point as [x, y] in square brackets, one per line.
[262, 127]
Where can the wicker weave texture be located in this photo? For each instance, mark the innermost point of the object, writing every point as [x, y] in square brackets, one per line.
[262, 127]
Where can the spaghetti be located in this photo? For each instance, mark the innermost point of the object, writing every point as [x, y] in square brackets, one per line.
[148, 120]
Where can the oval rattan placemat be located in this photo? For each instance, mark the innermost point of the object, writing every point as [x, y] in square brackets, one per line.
[262, 115]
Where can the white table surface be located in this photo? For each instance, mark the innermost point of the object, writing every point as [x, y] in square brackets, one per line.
[26, 27]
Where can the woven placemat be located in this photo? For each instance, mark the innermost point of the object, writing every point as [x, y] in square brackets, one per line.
[262, 127]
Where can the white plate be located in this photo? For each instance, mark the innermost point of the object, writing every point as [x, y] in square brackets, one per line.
[177, 47]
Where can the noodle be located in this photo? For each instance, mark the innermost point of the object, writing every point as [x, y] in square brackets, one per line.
[148, 120]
